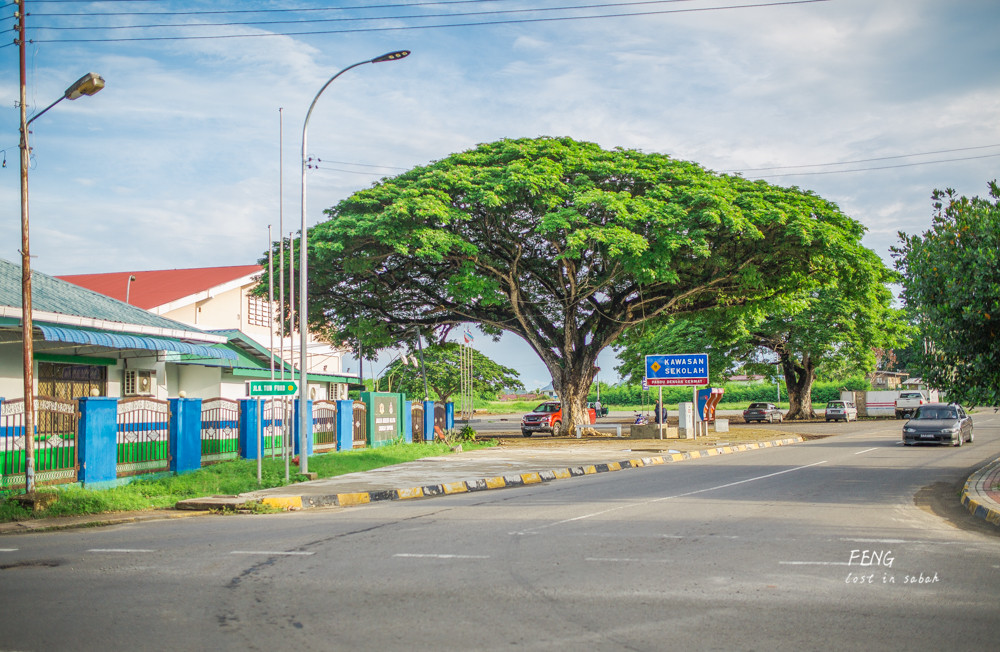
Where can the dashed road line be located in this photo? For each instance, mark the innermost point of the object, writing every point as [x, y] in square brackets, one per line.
[273, 553]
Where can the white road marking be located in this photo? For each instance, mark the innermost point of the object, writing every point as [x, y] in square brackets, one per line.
[271, 553]
[658, 500]
[627, 560]
[120, 550]
[814, 563]
[439, 556]
[867, 450]
[8, 549]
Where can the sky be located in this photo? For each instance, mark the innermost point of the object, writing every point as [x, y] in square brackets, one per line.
[194, 146]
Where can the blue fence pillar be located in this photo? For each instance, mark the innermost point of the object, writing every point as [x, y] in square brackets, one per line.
[407, 421]
[250, 423]
[97, 440]
[185, 434]
[449, 415]
[428, 420]
[309, 424]
[345, 425]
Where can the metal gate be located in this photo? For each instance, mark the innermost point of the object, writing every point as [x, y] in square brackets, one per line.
[220, 430]
[417, 422]
[275, 411]
[55, 449]
[143, 436]
[438, 418]
[360, 425]
[324, 426]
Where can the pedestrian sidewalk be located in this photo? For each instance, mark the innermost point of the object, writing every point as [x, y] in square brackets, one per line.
[979, 495]
[478, 470]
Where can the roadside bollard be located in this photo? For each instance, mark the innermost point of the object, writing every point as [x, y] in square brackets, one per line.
[619, 433]
[578, 430]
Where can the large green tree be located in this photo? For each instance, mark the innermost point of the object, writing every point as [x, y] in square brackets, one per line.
[951, 282]
[838, 321]
[563, 244]
[442, 364]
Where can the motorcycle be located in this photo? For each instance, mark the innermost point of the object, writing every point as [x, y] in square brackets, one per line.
[640, 420]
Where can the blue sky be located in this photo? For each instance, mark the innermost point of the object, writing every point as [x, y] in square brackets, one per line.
[176, 162]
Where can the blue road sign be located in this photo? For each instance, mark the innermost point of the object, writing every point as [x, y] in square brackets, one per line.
[682, 369]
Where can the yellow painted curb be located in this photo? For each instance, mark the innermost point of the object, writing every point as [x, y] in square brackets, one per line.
[455, 488]
[562, 473]
[283, 502]
[496, 483]
[530, 478]
[636, 463]
[415, 492]
[677, 457]
[587, 470]
[657, 460]
[347, 500]
[614, 466]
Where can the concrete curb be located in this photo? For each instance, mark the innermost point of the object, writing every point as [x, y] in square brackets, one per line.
[976, 495]
[506, 481]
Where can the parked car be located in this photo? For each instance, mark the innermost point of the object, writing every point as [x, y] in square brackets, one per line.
[763, 412]
[939, 423]
[908, 402]
[837, 410]
[603, 412]
[547, 417]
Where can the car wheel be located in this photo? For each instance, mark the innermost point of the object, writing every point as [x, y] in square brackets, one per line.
[557, 428]
[972, 436]
[828, 421]
[960, 440]
[526, 433]
[781, 418]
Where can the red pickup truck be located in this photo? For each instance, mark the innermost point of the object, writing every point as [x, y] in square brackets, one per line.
[547, 417]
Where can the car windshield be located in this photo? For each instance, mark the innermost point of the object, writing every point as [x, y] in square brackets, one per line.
[936, 413]
[835, 404]
[911, 395]
[547, 407]
[757, 406]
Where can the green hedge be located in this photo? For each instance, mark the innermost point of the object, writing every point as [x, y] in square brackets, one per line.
[734, 392]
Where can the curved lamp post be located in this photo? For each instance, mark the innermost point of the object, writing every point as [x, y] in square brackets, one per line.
[303, 263]
[87, 85]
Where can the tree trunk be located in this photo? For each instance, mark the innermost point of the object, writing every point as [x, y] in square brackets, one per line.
[572, 384]
[799, 378]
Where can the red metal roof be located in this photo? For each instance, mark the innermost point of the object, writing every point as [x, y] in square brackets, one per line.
[156, 288]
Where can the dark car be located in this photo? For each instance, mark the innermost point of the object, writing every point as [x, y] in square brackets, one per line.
[763, 412]
[938, 423]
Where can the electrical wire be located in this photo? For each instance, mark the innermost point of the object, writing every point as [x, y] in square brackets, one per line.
[883, 167]
[257, 11]
[864, 160]
[517, 21]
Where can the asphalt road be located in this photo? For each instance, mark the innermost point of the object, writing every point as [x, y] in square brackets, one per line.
[849, 542]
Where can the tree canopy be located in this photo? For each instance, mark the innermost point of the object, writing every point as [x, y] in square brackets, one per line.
[443, 367]
[951, 282]
[838, 321]
[563, 244]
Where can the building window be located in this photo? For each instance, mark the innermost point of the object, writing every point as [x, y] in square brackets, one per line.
[257, 312]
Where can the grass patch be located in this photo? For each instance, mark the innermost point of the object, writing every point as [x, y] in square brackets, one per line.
[228, 478]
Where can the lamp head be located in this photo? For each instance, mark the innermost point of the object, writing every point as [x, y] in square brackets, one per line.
[89, 84]
[392, 56]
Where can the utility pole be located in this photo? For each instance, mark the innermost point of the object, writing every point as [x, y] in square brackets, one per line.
[27, 327]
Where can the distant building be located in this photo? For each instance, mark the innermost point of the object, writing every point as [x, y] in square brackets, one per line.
[887, 380]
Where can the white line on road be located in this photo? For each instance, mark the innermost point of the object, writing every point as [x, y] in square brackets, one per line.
[626, 560]
[658, 500]
[439, 556]
[867, 450]
[271, 553]
[814, 563]
[8, 549]
[120, 550]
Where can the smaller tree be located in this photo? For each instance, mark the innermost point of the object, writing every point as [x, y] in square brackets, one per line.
[443, 366]
[951, 282]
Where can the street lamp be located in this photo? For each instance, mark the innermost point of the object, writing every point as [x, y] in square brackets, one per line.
[304, 258]
[87, 85]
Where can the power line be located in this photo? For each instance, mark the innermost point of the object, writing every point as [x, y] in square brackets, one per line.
[864, 160]
[253, 11]
[883, 167]
[438, 26]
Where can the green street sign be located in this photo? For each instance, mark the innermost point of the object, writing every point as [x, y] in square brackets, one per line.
[272, 387]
